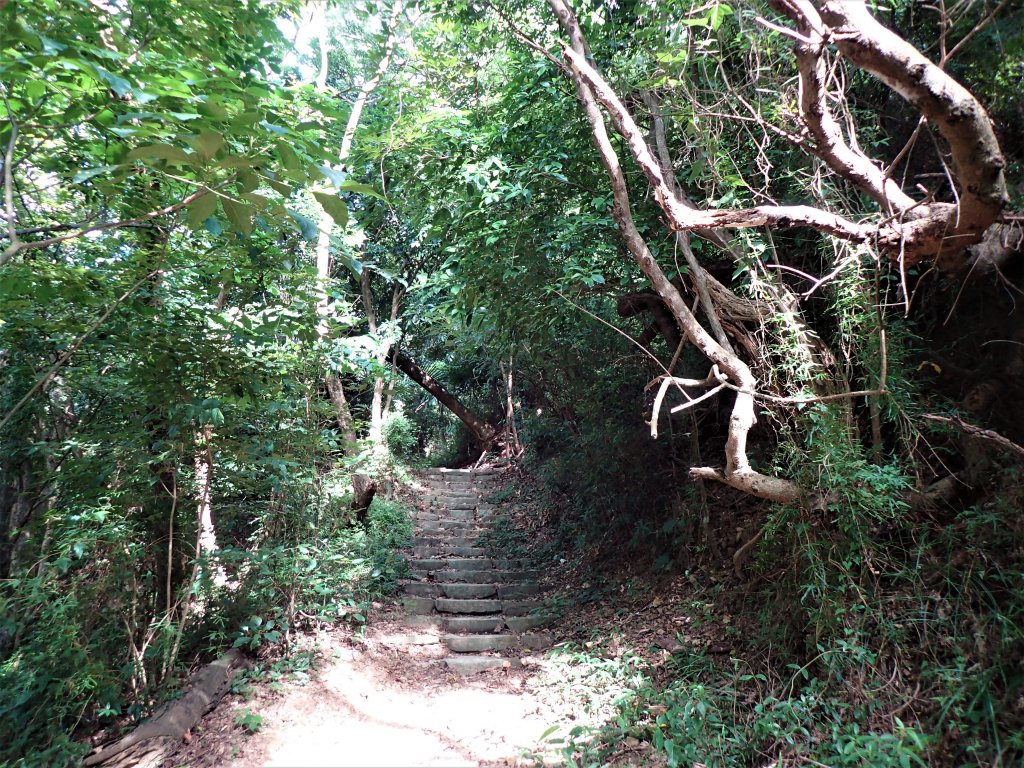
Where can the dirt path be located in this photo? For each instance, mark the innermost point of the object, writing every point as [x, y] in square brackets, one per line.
[381, 700]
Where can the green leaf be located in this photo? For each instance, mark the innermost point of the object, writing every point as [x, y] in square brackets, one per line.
[207, 144]
[354, 265]
[168, 152]
[35, 89]
[285, 190]
[307, 227]
[239, 214]
[89, 173]
[275, 129]
[360, 189]
[200, 209]
[334, 206]
[337, 178]
[256, 199]
[118, 85]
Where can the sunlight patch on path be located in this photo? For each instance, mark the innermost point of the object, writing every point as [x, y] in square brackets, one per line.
[388, 703]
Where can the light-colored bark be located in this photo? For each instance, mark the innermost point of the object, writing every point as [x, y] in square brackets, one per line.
[912, 230]
[364, 488]
[326, 224]
[737, 472]
[927, 229]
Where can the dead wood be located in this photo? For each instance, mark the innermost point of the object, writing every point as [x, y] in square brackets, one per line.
[157, 738]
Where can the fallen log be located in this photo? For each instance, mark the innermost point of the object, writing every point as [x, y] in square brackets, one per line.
[157, 738]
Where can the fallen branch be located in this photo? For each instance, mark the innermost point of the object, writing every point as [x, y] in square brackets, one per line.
[154, 741]
[975, 431]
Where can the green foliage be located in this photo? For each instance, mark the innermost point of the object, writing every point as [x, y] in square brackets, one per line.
[401, 437]
[695, 719]
[249, 720]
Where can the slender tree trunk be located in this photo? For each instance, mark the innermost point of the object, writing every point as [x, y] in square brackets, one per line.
[206, 538]
[364, 488]
[484, 433]
[376, 433]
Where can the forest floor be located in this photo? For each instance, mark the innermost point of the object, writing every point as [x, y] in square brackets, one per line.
[382, 698]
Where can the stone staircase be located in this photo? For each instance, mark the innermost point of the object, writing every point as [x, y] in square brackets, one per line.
[485, 606]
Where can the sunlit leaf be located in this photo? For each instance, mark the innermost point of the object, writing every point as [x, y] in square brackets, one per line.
[168, 152]
[334, 206]
[201, 209]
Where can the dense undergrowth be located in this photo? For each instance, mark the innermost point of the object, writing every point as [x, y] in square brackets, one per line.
[861, 634]
[82, 660]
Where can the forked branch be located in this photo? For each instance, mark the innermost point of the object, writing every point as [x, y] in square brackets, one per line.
[737, 472]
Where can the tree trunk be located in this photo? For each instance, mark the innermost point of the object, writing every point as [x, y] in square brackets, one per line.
[364, 488]
[484, 433]
[154, 741]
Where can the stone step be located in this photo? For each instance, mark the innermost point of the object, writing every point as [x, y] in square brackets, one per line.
[435, 550]
[517, 608]
[516, 591]
[458, 487]
[453, 513]
[471, 665]
[478, 643]
[427, 564]
[452, 605]
[468, 591]
[483, 605]
[476, 624]
[437, 539]
[462, 527]
[422, 589]
[419, 605]
[525, 623]
[484, 576]
[469, 563]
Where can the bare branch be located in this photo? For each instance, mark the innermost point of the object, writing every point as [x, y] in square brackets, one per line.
[526, 40]
[16, 247]
[684, 218]
[830, 146]
[949, 106]
[979, 432]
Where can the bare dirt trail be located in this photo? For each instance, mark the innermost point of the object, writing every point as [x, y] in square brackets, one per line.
[384, 699]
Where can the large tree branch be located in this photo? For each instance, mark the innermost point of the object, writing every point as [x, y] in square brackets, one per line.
[738, 471]
[681, 216]
[950, 107]
[829, 144]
